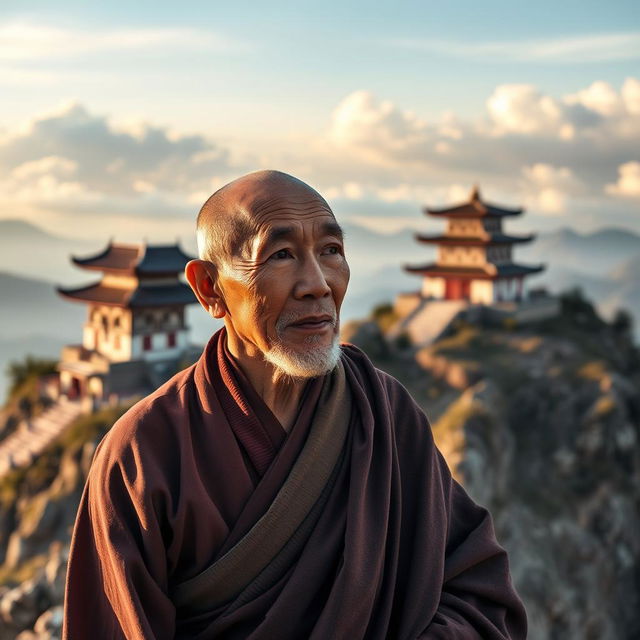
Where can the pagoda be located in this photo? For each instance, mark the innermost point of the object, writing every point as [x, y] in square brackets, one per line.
[135, 335]
[474, 260]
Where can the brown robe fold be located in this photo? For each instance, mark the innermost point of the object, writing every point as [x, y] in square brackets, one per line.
[398, 551]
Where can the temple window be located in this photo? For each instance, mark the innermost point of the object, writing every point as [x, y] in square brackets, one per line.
[171, 339]
[146, 343]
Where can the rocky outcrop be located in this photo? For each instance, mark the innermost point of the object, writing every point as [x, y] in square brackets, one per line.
[544, 429]
[33, 609]
[37, 510]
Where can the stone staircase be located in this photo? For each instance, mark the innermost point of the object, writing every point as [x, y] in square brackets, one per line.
[31, 437]
[428, 319]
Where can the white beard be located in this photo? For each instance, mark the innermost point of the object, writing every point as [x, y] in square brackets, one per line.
[314, 362]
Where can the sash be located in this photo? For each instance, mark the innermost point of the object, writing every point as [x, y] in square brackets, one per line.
[259, 558]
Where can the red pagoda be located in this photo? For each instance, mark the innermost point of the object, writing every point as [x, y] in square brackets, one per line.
[474, 260]
[135, 336]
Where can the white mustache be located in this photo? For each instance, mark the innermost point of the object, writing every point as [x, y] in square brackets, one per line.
[290, 317]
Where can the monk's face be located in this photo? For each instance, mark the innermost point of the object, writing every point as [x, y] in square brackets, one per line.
[283, 294]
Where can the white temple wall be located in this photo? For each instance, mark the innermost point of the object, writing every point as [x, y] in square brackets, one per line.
[481, 291]
[159, 349]
[433, 287]
[96, 387]
[89, 337]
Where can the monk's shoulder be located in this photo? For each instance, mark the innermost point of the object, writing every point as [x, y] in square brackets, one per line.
[409, 420]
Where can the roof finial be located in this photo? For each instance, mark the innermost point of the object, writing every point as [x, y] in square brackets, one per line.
[475, 193]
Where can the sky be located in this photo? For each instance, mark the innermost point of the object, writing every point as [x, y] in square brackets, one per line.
[119, 119]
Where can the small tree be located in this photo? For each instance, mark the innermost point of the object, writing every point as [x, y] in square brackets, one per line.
[31, 367]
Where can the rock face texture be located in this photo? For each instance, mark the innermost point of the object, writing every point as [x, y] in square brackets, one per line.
[541, 425]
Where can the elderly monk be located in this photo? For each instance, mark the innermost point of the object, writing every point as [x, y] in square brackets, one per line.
[282, 487]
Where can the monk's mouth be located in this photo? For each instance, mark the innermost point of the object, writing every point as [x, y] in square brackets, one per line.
[311, 324]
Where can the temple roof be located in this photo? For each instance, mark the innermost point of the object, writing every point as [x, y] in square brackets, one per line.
[489, 271]
[474, 208]
[142, 296]
[486, 239]
[136, 259]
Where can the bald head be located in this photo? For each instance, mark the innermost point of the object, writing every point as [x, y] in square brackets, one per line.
[230, 217]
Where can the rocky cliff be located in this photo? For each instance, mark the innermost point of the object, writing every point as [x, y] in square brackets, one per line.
[541, 424]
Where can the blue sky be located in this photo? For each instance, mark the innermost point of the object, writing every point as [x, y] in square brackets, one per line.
[383, 107]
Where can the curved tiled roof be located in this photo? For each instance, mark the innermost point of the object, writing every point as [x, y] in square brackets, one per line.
[487, 239]
[489, 271]
[474, 208]
[139, 259]
[142, 296]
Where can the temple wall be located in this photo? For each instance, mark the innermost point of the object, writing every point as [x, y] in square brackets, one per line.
[433, 287]
[506, 289]
[119, 281]
[481, 291]
[159, 349]
[499, 254]
[465, 227]
[461, 256]
[158, 320]
[492, 225]
[108, 331]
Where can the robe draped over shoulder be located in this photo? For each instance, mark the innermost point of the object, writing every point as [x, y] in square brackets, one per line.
[396, 548]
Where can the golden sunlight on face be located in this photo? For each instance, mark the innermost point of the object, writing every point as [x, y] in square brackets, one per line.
[284, 298]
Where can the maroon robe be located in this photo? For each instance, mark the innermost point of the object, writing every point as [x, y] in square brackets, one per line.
[399, 549]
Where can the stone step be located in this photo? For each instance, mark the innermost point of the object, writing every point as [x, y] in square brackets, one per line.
[23, 446]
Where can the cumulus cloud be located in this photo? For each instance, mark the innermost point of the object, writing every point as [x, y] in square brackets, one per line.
[378, 130]
[73, 160]
[522, 109]
[628, 184]
[547, 188]
[589, 132]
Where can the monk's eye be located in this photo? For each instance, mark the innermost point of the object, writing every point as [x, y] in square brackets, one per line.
[333, 250]
[283, 254]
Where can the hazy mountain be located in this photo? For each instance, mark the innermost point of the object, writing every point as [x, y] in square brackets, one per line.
[594, 253]
[27, 250]
[31, 306]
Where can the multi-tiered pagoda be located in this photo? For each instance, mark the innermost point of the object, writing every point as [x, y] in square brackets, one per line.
[474, 260]
[135, 335]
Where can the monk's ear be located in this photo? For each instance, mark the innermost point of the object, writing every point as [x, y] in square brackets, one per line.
[202, 277]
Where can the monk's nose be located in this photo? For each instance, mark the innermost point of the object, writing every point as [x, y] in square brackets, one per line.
[312, 280]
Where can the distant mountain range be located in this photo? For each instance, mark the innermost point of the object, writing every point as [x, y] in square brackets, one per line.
[605, 264]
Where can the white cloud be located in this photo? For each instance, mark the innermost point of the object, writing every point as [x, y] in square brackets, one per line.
[377, 130]
[523, 109]
[589, 132]
[628, 184]
[631, 95]
[73, 160]
[25, 41]
[570, 49]
[547, 188]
